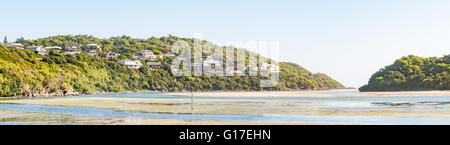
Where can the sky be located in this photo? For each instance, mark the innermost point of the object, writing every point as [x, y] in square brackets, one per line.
[348, 40]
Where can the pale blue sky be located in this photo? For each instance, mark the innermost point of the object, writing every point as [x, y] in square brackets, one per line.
[346, 39]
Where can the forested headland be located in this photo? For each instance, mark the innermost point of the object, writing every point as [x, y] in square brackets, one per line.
[25, 73]
[412, 73]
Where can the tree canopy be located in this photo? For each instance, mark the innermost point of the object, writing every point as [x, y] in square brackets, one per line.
[412, 73]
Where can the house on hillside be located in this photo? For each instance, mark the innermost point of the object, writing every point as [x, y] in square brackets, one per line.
[41, 52]
[112, 54]
[53, 48]
[147, 54]
[35, 48]
[154, 65]
[16, 45]
[95, 47]
[73, 53]
[72, 47]
[134, 64]
[269, 67]
[38, 50]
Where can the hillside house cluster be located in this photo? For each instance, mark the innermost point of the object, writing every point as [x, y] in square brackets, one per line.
[153, 64]
[69, 49]
[209, 62]
[93, 49]
[148, 54]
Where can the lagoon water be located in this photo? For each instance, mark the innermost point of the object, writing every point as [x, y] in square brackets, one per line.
[343, 103]
[356, 98]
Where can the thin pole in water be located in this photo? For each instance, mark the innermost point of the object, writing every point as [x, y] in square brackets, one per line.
[192, 100]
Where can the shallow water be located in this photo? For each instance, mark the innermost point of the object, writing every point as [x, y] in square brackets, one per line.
[24, 122]
[153, 95]
[83, 111]
[339, 103]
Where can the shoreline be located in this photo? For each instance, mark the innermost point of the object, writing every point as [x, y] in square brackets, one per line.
[144, 91]
[266, 93]
[53, 96]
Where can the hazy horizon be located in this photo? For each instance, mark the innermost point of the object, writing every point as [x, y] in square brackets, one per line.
[348, 40]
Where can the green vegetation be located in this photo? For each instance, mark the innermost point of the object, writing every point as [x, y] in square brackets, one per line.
[293, 76]
[24, 73]
[412, 73]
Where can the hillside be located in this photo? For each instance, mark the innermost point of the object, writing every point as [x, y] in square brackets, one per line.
[412, 73]
[24, 73]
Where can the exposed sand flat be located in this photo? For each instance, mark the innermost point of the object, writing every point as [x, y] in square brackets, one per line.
[253, 94]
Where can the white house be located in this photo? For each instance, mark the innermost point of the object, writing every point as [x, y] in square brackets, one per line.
[147, 54]
[16, 45]
[73, 53]
[135, 64]
[38, 50]
[270, 67]
[53, 47]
